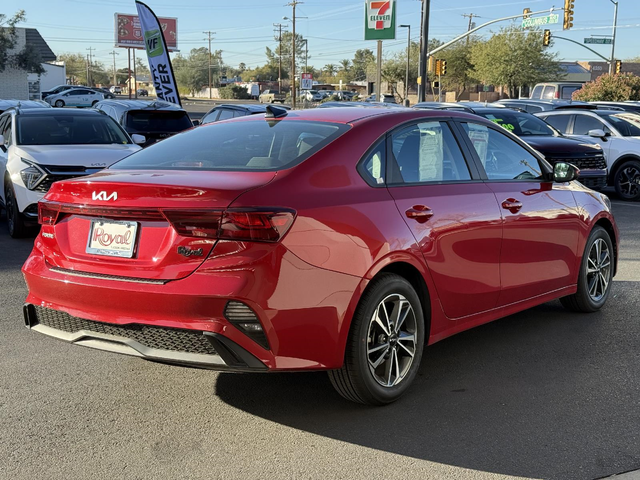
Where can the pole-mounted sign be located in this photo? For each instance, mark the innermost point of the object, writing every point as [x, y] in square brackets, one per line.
[380, 20]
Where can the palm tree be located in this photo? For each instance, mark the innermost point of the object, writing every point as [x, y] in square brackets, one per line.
[345, 65]
[330, 69]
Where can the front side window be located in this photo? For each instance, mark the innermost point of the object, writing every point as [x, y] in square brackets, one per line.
[559, 122]
[225, 114]
[237, 146]
[584, 124]
[211, 117]
[502, 157]
[40, 129]
[427, 152]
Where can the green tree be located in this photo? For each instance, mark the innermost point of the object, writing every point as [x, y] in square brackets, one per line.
[76, 66]
[610, 88]
[363, 60]
[514, 58]
[460, 72]
[28, 57]
[330, 69]
[192, 72]
[142, 68]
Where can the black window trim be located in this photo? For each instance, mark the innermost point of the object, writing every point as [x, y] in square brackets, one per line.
[362, 170]
[547, 174]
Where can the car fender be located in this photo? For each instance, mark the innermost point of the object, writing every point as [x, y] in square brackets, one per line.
[622, 158]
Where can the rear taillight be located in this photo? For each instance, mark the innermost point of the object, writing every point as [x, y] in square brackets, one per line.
[242, 225]
[47, 214]
[558, 94]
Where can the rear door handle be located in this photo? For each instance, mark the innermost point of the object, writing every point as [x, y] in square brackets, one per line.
[421, 213]
[512, 205]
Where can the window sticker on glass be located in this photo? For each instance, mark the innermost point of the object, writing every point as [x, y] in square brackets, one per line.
[479, 136]
[506, 126]
[431, 153]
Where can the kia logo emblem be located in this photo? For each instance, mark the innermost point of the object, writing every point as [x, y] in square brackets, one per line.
[103, 196]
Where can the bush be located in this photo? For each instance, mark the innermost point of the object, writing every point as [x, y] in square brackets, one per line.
[233, 92]
[610, 88]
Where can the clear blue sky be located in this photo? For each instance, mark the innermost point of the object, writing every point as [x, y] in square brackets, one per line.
[334, 28]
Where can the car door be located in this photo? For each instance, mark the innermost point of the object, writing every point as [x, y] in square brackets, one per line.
[452, 214]
[72, 98]
[541, 224]
[581, 126]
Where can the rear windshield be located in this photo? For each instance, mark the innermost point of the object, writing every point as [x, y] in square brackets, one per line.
[237, 146]
[69, 130]
[158, 120]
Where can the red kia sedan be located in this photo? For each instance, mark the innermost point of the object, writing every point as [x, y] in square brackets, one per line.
[342, 239]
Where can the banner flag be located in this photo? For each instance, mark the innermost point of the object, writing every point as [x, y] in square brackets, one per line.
[164, 80]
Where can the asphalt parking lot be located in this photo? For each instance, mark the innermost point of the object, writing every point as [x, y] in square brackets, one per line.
[541, 394]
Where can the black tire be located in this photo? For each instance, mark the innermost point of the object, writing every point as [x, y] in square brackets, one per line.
[59, 103]
[93, 104]
[627, 180]
[15, 222]
[583, 301]
[355, 381]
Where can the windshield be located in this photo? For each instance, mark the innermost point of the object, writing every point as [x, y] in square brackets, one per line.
[42, 129]
[628, 124]
[521, 124]
[237, 146]
[158, 120]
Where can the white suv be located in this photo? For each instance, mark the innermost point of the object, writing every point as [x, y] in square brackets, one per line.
[41, 145]
[617, 132]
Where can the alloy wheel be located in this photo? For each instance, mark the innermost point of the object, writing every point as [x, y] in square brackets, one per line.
[629, 181]
[598, 270]
[391, 340]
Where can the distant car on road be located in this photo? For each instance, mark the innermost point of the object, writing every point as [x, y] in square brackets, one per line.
[75, 97]
[39, 146]
[272, 96]
[619, 135]
[115, 89]
[141, 92]
[154, 120]
[233, 110]
[23, 104]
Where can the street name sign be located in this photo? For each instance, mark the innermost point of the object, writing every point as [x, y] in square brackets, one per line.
[541, 21]
[598, 41]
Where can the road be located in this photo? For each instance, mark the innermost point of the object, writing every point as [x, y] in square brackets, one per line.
[541, 394]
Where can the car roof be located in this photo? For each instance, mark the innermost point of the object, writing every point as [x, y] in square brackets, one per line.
[61, 111]
[142, 104]
[569, 111]
[497, 110]
[7, 104]
[252, 107]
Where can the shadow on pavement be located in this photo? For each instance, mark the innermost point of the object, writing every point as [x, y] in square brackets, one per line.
[544, 393]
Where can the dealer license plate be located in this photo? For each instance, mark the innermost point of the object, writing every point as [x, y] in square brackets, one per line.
[111, 238]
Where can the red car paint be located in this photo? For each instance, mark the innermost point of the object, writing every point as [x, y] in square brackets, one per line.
[479, 258]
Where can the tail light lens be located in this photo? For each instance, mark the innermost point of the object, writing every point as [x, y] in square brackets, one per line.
[47, 214]
[243, 225]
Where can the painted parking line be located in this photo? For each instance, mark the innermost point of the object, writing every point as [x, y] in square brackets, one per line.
[623, 204]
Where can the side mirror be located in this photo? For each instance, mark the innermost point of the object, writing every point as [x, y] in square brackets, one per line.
[195, 122]
[138, 139]
[564, 172]
[597, 133]
[2, 147]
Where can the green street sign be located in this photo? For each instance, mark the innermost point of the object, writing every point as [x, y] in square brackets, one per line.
[599, 41]
[541, 21]
[380, 20]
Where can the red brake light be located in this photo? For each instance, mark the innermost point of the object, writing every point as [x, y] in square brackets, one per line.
[195, 224]
[557, 93]
[47, 214]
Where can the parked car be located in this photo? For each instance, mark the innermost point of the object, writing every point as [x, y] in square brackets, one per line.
[555, 90]
[105, 92]
[272, 96]
[386, 98]
[343, 240]
[360, 104]
[233, 110]
[75, 97]
[59, 89]
[22, 104]
[39, 146]
[625, 106]
[535, 106]
[116, 89]
[141, 92]
[588, 157]
[155, 120]
[619, 135]
[311, 95]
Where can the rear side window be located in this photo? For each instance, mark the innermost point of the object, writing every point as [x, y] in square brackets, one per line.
[158, 120]
[237, 146]
[559, 122]
[549, 92]
[537, 92]
[585, 123]
[373, 167]
[567, 92]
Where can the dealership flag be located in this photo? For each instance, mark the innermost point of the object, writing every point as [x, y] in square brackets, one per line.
[164, 80]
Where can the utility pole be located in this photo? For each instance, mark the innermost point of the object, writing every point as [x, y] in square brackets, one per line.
[424, 40]
[613, 39]
[471, 16]
[279, 38]
[114, 53]
[406, 78]
[293, 4]
[90, 65]
[209, 33]
[135, 75]
[88, 72]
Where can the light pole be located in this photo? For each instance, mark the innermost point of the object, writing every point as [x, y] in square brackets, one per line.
[424, 50]
[406, 78]
[613, 39]
[293, 4]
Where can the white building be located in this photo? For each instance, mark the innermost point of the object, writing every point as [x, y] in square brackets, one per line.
[16, 83]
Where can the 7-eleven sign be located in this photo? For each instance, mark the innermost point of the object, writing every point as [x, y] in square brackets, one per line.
[380, 20]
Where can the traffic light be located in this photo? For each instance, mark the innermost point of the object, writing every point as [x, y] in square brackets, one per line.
[618, 68]
[546, 39]
[526, 13]
[443, 67]
[568, 14]
[438, 68]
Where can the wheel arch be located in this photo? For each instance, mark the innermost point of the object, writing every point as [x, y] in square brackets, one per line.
[617, 164]
[605, 223]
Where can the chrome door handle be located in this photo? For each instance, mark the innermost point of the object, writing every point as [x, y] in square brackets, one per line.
[421, 213]
[512, 205]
